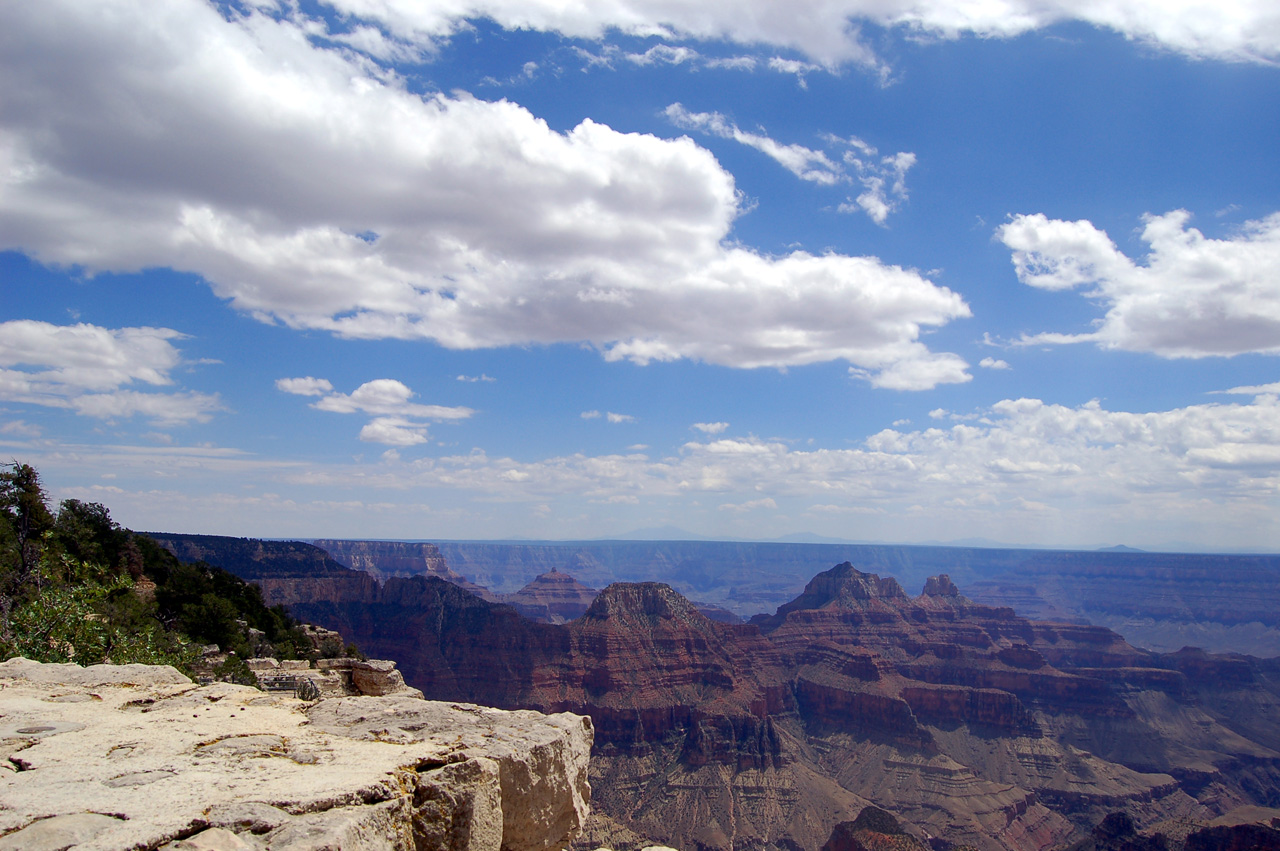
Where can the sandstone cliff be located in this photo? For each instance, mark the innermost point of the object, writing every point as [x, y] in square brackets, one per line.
[138, 757]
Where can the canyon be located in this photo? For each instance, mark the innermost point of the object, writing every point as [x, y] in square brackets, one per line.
[974, 725]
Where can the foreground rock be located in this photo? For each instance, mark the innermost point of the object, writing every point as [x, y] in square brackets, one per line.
[134, 756]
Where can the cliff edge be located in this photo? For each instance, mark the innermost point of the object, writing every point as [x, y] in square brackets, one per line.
[138, 757]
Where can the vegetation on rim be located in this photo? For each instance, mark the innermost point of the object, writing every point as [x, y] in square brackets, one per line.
[75, 586]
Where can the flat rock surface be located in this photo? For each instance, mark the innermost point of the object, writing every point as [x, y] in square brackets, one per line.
[116, 757]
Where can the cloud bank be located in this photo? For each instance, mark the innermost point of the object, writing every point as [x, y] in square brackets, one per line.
[828, 31]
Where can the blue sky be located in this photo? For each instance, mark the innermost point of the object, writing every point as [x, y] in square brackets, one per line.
[891, 270]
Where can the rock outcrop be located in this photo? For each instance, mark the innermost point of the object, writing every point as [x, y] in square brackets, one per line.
[552, 597]
[139, 757]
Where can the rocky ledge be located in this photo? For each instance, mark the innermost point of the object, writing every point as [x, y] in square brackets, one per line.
[139, 757]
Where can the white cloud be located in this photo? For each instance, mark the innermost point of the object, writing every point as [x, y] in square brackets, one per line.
[663, 54]
[1193, 297]
[390, 401]
[1254, 389]
[922, 372]
[472, 379]
[619, 418]
[394, 431]
[883, 178]
[750, 505]
[804, 163]
[386, 396]
[88, 357]
[20, 428]
[590, 415]
[828, 32]
[304, 386]
[85, 368]
[733, 63]
[173, 137]
[711, 428]
[994, 363]
[792, 66]
[161, 408]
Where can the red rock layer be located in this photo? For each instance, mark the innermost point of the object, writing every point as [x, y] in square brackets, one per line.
[552, 597]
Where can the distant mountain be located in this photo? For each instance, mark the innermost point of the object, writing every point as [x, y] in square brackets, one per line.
[1120, 548]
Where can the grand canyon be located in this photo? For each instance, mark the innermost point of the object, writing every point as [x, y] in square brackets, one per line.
[974, 725]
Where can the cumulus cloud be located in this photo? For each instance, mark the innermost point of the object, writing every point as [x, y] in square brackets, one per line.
[176, 137]
[828, 32]
[619, 418]
[994, 363]
[590, 415]
[472, 379]
[1192, 296]
[304, 386]
[387, 396]
[394, 431]
[86, 368]
[711, 428]
[396, 418]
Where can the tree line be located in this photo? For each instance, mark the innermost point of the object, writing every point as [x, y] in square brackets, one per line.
[75, 586]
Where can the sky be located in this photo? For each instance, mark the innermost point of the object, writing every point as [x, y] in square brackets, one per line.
[877, 270]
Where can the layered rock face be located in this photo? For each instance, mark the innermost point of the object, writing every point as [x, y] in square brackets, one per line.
[385, 559]
[552, 597]
[972, 724]
[132, 757]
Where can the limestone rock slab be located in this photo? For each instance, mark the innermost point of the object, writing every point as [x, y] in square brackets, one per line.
[149, 760]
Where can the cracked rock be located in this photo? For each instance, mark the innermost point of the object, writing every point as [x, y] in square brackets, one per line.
[153, 761]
